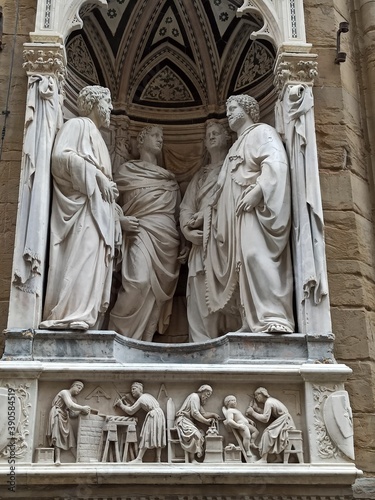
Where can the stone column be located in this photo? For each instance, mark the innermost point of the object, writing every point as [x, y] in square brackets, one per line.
[294, 77]
[45, 65]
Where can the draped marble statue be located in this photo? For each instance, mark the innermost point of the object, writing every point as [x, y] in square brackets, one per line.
[247, 229]
[60, 433]
[153, 433]
[149, 196]
[83, 218]
[275, 437]
[203, 324]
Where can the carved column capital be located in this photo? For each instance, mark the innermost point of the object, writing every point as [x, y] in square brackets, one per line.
[43, 58]
[295, 68]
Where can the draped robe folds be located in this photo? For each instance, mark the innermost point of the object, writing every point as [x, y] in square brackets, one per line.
[59, 428]
[149, 266]
[153, 431]
[252, 250]
[203, 325]
[191, 438]
[82, 228]
[275, 436]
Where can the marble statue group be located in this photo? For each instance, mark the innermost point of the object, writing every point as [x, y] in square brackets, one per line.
[232, 227]
[198, 430]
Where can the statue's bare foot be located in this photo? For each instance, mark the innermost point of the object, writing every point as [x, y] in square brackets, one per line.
[78, 325]
[278, 328]
[135, 461]
[261, 461]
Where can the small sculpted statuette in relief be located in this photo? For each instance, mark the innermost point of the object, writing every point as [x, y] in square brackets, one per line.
[60, 433]
[247, 259]
[153, 432]
[203, 324]
[243, 428]
[273, 412]
[83, 224]
[192, 411]
[149, 197]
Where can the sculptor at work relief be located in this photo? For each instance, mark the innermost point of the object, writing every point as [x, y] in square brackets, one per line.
[264, 432]
[235, 220]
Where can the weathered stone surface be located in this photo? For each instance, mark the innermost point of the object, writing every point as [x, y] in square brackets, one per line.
[354, 332]
[361, 387]
[349, 236]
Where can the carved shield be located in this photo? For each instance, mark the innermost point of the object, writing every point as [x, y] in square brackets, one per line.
[10, 410]
[338, 420]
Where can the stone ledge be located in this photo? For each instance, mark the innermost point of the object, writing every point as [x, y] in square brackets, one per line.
[183, 474]
[110, 347]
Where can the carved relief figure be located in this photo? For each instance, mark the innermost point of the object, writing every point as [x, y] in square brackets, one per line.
[149, 199]
[275, 437]
[248, 227]
[59, 430]
[83, 218]
[191, 437]
[203, 325]
[236, 420]
[153, 432]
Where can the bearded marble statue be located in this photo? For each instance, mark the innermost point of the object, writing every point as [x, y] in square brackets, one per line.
[247, 232]
[149, 196]
[203, 324]
[83, 218]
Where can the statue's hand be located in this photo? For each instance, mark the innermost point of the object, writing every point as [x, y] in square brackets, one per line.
[85, 410]
[129, 224]
[194, 235]
[183, 255]
[105, 186]
[249, 200]
[196, 221]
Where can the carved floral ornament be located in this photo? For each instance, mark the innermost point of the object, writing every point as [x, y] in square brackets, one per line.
[45, 61]
[295, 70]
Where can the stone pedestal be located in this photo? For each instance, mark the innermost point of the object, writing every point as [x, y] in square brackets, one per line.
[236, 364]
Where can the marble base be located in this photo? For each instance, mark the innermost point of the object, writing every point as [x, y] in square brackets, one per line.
[110, 347]
[299, 370]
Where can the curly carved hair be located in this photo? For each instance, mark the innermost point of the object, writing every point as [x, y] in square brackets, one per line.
[89, 96]
[248, 104]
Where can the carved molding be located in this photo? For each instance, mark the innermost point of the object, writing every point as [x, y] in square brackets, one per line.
[205, 497]
[326, 448]
[45, 59]
[292, 69]
[18, 446]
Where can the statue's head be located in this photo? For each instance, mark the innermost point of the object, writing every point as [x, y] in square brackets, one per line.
[137, 389]
[95, 98]
[217, 136]
[230, 401]
[151, 138]
[76, 387]
[204, 391]
[261, 394]
[248, 104]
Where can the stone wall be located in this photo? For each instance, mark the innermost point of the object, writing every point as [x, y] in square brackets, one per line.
[13, 82]
[347, 191]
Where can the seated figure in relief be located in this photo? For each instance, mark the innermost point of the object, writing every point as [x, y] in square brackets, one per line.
[60, 433]
[83, 217]
[236, 420]
[275, 437]
[204, 325]
[149, 196]
[153, 432]
[192, 411]
[248, 225]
